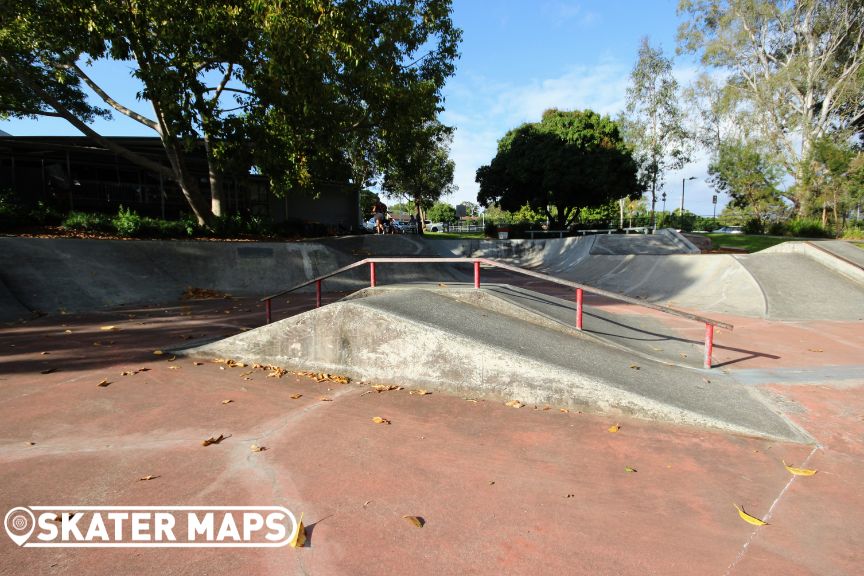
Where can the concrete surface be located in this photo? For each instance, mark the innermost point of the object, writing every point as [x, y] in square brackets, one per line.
[502, 490]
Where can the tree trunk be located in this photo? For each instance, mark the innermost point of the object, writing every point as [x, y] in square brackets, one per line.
[216, 189]
[188, 185]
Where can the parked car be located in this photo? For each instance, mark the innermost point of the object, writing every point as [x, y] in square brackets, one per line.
[434, 226]
[730, 230]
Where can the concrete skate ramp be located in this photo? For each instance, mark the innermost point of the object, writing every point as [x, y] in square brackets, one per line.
[71, 275]
[473, 343]
[792, 281]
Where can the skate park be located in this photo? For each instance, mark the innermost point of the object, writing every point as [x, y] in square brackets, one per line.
[548, 482]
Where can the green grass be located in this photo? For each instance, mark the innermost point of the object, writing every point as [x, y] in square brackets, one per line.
[453, 235]
[749, 243]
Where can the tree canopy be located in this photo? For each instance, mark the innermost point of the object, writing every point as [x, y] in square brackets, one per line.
[794, 71]
[303, 91]
[418, 168]
[748, 175]
[567, 161]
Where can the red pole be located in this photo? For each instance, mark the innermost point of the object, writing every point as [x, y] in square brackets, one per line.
[372, 274]
[578, 308]
[476, 274]
[709, 344]
[318, 294]
[267, 309]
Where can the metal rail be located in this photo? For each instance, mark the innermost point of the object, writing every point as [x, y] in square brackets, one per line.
[580, 288]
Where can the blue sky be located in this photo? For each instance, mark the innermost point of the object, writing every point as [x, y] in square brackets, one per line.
[518, 59]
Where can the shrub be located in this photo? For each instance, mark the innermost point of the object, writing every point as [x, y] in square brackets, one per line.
[778, 229]
[490, 230]
[127, 222]
[807, 228]
[855, 232]
[754, 226]
[86, 222]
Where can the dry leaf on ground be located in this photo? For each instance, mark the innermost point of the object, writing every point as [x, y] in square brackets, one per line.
[299, 538]
[49, 370]
[799, 471]
[325, 399]
[107, 328]
[295, 396]
[614, 428]
[257, 448]
[420, 392]
[380, 420]
[213, 440]
[415, 520]
[227, 401]
[629, 469]
[514, 404]
[748, 518]
[143, 478]
[104, 383]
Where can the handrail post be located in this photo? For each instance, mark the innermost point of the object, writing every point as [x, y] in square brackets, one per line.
[372, 274]
[318, 294]
[579, 308]
[709, 344]
[267, 309]
[476, 274]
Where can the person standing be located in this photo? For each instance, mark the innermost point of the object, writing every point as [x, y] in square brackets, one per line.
[378, 211]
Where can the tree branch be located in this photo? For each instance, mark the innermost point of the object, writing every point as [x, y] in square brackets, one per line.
[64, 113]
[113, 103]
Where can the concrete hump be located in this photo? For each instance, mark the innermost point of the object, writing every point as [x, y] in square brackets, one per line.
[475, 343]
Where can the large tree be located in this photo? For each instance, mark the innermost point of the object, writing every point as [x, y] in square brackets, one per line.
[417, 166]
[794, 69]
[289, 88]
[565, 162]
[654, 122]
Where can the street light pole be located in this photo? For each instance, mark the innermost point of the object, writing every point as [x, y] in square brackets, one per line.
[681, 218]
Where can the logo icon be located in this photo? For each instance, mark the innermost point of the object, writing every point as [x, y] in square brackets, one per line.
[19, 523]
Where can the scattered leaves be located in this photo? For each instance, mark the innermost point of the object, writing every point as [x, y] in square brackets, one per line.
[514, 404]
[385, 387]
[324, 377]
[635, 367]
[629, 469]
[227, 401]
[44, 353]
[415, 520]
[380, 420]
[229, 362]
[299, 538]
[614, 428]
[257, 448]
[104, 383]
[213, 440]
[420, 392]
[748, 518]
[295, 396]
[325, 399]
[204, 294]
[799, 471]
[145, 478]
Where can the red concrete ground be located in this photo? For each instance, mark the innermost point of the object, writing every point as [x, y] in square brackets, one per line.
[501, 490]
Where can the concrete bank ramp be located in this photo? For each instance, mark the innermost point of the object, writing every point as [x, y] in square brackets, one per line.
[70, 275]
[474, 343]
[792, 281]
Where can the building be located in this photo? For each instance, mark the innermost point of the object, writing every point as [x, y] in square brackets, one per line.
[75, 173]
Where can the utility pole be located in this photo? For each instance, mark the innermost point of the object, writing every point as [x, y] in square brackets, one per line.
[681, 218]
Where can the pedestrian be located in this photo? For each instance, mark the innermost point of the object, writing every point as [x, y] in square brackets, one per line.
[379, 210]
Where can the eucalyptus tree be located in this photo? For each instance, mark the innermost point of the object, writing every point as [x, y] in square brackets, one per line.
[654, 120]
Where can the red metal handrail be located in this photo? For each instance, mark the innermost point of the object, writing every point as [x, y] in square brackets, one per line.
[580, 288]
